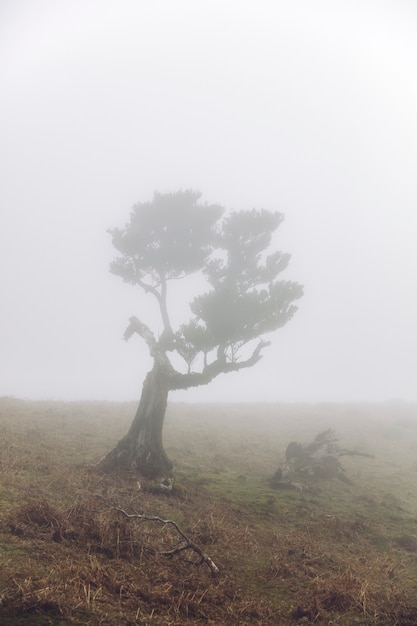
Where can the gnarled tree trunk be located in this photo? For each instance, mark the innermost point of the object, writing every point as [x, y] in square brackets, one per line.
[141, 449]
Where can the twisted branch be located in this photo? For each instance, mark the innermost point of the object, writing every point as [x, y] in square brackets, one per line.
[187, 544]
[136, 326]
[212, 370]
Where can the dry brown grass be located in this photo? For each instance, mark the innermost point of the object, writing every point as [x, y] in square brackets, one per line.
[335, 554]
[350, 581]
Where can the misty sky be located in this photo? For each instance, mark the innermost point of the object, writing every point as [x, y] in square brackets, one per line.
[309, 108]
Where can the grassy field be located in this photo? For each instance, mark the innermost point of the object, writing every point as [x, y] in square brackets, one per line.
[332, 553]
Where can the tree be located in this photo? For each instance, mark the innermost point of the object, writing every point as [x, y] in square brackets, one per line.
[171, 238]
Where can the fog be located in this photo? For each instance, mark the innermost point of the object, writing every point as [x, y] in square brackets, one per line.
[304, 107]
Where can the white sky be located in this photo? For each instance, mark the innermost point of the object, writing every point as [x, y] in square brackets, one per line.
[304, 107]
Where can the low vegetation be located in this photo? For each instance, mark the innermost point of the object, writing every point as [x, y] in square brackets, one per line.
[333, 552]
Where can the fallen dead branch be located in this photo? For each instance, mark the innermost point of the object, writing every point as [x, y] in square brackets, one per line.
[186, 543]
[318, 459]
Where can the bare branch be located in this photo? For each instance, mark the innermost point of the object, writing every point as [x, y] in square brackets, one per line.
[161, 297]
[219, 366]
[163, 305]
[187, 544]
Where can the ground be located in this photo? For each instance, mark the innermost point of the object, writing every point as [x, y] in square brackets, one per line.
[331, 553]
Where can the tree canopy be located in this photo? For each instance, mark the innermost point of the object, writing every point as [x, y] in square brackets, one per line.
[242, 300]
[176, 235]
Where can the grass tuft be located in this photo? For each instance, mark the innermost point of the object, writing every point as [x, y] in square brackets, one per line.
[334, 553]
